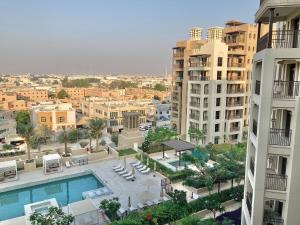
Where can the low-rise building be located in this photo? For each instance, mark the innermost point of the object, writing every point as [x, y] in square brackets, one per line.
[54, 116]
[36, 95]
[7, 124]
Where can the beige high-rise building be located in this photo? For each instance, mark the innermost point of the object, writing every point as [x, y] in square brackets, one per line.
[272, 184]
[210, 82]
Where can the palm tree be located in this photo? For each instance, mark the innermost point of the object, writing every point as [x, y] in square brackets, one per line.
[65, 140]
[96, 127]
[26, 132]
[196, 134]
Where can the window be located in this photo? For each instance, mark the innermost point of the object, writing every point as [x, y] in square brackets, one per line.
[219, 75]
[219, 88]
[218, 101]
[61, 119]
[220, 61]
[43, 119]
[216, 140]
[250, 35]
[218, 115]
[217, 127]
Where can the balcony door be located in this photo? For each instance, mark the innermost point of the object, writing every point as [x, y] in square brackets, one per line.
[291, 79]
[283, 166]
[296, 33]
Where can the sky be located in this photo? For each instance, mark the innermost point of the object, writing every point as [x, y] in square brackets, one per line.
[104, 36]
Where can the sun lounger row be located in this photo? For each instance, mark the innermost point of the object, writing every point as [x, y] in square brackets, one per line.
[141, 167]
[96, 193]
[121, 170]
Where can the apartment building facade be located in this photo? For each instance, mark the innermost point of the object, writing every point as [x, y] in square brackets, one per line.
[210, 83]
[32, 94]
[7, 125]
[272, 185]
[54, 116]
[113, 111]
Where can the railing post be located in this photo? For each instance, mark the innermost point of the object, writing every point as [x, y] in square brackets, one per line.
[271, 20]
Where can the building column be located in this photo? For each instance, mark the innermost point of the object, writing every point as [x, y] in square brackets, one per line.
[258, 33]
[271, 21]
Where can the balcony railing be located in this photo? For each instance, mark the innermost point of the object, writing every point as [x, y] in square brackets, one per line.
[205, 118]
[205, 104]
[234, 104]
[235, 91]
[199, 64]
[196, 91]
[280, 39]
[281, 137]
[199, 78]
[178, 66]
[194, 117]
[195, 104]
[276, 182]
[232, 117]
[178, 55]
[257, 87]
[286, 89]
[252, 166]
[235, 64]
[254, 127]
[273, 221]
[234, 129]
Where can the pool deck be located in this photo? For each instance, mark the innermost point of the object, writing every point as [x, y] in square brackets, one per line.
[144, 188]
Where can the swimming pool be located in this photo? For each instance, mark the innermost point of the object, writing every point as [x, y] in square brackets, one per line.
[176, 163]
[65, 191]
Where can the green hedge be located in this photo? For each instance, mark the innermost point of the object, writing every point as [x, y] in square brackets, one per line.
[128, 151]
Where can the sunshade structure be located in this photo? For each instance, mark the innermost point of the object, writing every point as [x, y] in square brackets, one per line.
[80, 159]
[179, 146]
[84, 212]
[52, 163]
[8, 170]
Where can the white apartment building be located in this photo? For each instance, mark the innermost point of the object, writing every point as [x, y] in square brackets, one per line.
[7, 125]
[272, 179]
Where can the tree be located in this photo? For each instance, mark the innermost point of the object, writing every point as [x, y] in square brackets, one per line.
[44, 134]
[115, 138]
[191, 220]
[62, 94]
[110, 207]
[54, 216]
[73, 136]
[155, 97]
[196, 134]
[160, 87]
[22, 117]
[65, 140]
[146, 144]
[179, 198]
[26, 132]
[97, 125]
[214, 205]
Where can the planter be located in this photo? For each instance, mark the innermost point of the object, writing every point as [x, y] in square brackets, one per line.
[29, 166]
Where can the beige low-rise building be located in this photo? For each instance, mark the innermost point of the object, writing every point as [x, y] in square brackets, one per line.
[54, 116]
[33, 94]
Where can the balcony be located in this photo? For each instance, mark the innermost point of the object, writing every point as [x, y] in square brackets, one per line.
[178, 66]
[235, 129]
[178, 54]
[196, 91]
[235, 91]
[276, 182]
[233, 117]
[280, 39]
[257, 87]
[273, 221]
[280, 137]
[195, 104]
[194, 117]
[199, 78]
[234, 104]
[252, 166]
[254, 127]
[199, 64]
[236, 64]
[285, 89]
[205, 104]
[205, 118]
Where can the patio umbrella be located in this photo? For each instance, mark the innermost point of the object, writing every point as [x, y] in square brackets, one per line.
[125, 162]
[154, 166]
[129, 202]
[133, 171]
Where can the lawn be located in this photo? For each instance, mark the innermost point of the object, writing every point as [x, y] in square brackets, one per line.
[128, 151]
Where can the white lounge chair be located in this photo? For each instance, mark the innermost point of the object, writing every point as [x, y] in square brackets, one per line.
[140, 205]
[137, 163]
[117, 167]
[130, 177]
[157, 201]
[120, 169]
[145, 171]
[132, 208]
[127, 174]
[149, 203]
[121, 212]
[122, 172]
[165, 199]
[99, 192]
[167, 156]
[142, 168]
[67, 164]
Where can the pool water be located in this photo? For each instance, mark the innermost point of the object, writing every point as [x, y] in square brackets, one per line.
[176, 163]
[64, 191]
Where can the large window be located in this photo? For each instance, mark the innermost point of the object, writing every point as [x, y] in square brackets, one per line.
[43, 119]
[61, 119]
[220, 61]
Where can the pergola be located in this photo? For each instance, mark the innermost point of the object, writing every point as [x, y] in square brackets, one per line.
[179, 146]
[8, 170]
[52, 163]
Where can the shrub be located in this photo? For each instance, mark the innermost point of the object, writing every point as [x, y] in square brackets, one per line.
[7, 146]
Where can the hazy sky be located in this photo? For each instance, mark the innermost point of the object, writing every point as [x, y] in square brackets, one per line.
[104, 36]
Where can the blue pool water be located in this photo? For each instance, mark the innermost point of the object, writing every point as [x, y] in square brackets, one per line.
[64, 191]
